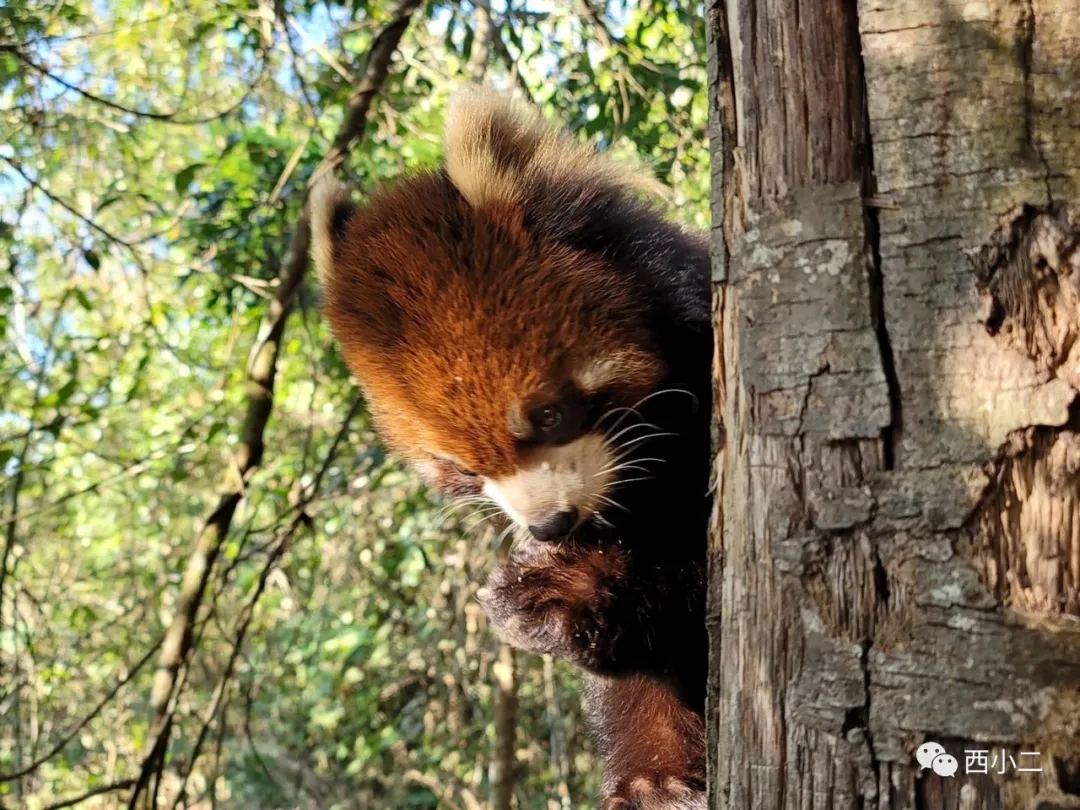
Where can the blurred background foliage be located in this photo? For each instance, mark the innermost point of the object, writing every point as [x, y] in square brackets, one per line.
[153, 161]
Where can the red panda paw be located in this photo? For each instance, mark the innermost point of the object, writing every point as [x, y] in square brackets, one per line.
[561, 602]
[526, 607]
[650, 794]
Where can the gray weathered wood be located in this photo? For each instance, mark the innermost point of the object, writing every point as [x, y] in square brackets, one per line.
[895, 555]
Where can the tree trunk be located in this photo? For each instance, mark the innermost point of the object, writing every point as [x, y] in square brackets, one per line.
[501, 771]
[895, 557]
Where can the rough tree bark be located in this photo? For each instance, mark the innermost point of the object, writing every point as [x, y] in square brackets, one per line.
[895, 556]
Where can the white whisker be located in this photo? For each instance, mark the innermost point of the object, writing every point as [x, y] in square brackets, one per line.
[625, 465]
[628, 445]
[645, 399]
[600, 421]
[502, 535]
[619, 468]
[493, 513]
[632, 480]
[611, 502]
[460, 502]
[443, 515]
[629, 428]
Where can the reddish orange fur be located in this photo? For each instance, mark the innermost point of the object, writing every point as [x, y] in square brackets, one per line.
[420, 270]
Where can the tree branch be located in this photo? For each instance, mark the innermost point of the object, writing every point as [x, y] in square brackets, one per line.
[123, 784]
[378, 64]
[483, 35]
[169, 118]
[12, 530]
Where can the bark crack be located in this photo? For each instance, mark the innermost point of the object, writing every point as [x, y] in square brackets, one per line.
[861, 715]
[901, 29]
[823, 369]
[1025, 57]
[890, 435]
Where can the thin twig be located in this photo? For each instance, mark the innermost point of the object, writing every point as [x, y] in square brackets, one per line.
[511, 62]
[324, 54]
[128, 469]
[610, 41]
[63, 203]
[11, 532]
[281, 19]
[443, 793]
[290, 166]
[123, 784]
[74, 731]
[53, 39]
[169, 118]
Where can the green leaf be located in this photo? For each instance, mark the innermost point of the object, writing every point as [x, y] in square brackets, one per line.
[54, 427]
[83, 618]
[185, 176]
[66, 390]
[422, 798]
[201, 30]
[215, 429]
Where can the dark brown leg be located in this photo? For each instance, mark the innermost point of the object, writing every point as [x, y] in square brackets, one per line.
[653, 743]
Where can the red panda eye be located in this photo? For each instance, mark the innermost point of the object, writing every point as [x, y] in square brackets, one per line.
[463, 471]
[451, 466]
[548, 418]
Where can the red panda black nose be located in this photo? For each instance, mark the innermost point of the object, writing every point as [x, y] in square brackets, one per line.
[554, 525]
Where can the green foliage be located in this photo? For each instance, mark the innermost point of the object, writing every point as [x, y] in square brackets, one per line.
[153, 159]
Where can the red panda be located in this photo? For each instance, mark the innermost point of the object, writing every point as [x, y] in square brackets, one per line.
[529, 328]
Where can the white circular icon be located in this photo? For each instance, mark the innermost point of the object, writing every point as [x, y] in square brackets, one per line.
[926, 753]
[944, 765]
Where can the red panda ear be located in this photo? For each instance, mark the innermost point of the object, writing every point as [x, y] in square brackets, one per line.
[355, 288]
[498, 149]
[629, 367]
[330, 207]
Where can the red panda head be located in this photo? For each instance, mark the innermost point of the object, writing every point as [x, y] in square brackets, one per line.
[495, 353]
